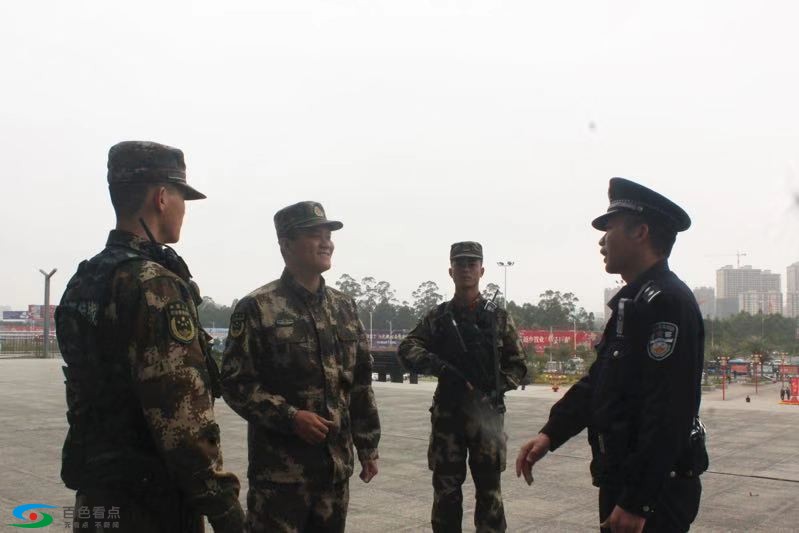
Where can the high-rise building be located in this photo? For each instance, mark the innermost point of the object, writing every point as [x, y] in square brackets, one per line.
[706, 298]
[766, 302]
[792, 291]
[747, 289]
[610, 292]
[792, 278]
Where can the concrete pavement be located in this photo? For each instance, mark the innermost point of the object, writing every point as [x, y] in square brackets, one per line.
[752, 485]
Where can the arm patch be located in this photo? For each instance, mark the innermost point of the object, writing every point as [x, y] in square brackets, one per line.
[181, 323]
[236, 324]
[662, 340]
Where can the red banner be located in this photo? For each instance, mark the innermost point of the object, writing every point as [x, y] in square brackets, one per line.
[541, 339]
[794, 387]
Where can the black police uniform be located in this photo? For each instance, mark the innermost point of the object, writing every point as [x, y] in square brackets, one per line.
[640, 399]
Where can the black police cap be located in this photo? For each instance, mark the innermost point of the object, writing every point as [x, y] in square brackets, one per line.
[629, 197]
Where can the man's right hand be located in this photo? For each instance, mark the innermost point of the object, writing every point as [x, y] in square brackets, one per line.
[533, 450]
[440, 367]
[311, 427]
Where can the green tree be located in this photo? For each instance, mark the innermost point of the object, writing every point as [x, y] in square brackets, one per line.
[405, 318]
[425, 297]
[349, 286]
[743, 334]
[213, 315]
[554, 309]
[490, 291]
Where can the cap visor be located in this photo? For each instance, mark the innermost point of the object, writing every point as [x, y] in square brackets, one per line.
[190, 193]
[332, 224]
[601, 222]
[475, 256]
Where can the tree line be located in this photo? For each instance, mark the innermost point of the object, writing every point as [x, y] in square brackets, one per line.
[379, 306]
[743, 334]
[738, 336]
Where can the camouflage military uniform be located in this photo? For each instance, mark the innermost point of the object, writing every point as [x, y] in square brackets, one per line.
[289, 350]
[464, 422]
[142, 434]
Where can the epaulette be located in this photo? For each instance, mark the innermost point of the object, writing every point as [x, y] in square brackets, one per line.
[648, 292]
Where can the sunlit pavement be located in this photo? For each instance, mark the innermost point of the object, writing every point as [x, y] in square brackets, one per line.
[752, 485]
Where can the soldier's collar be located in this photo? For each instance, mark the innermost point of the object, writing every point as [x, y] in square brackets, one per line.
[302, 292]
[631, 289]
[118, 237]
[471, 306]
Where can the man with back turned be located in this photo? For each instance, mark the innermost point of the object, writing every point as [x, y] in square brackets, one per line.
[143, 448]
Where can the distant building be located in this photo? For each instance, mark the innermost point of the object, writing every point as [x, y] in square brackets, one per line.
[610, 292]
[706, 298]
[792, 304]
[792, 291]
[747, 289]
[766, 302]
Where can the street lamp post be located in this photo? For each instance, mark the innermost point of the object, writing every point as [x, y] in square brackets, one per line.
[371, 333]
[505, 265]
[723, 364]
[574, 332]
[755, 361]
[46, 340]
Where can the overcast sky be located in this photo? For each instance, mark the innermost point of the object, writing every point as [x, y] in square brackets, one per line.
[416, 123]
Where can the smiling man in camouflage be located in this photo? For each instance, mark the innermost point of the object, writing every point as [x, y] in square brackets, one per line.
[298, 369]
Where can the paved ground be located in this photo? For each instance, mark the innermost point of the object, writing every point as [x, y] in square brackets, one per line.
[753, 484]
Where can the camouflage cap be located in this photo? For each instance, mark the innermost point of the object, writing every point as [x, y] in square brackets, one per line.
[149, 162]
[466, 249]
[303, 215]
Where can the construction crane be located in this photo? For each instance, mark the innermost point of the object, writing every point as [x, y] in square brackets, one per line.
[738, 255]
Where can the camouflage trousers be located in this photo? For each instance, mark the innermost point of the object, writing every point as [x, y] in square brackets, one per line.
[474, 429]
[115, 510]
[297, 507]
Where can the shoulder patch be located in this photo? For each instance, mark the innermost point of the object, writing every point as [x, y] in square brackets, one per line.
[648, 292]
[181, 323]
[236, 324]
[662, 340]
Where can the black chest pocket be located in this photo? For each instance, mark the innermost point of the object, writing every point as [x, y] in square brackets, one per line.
[616, 360]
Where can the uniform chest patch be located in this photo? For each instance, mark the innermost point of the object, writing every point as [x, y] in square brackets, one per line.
[181, 323]
[236, 324]
[662, 340]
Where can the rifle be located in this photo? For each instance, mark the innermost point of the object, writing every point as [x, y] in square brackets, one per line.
[497, 396]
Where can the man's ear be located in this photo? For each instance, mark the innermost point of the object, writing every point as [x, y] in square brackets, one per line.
[285, 245]
[642, 232]
[158, 198]
[482, 271]
[450, 273]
